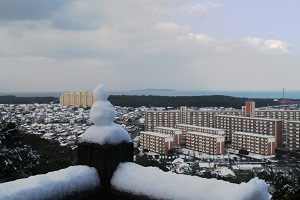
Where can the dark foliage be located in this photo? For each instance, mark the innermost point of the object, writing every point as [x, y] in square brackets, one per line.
[243, 152]
[283, 186]
[52, 155]
[146, 162]
[157, 101]
[23, 155]
[196, 101]
[11, 99]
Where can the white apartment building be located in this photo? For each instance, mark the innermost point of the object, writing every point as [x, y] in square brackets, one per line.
[254, 143]
[169, 118]
[175, 133]
[249, 109]
[293, 115]
[161, 119]
[293, 135]
[77, 98]
[186, 128]
[205, 142]
[263, 126]
[206, 118]
[267, 122]
[156, 142]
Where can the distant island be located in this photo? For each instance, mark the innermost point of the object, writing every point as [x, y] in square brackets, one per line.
[153, 90]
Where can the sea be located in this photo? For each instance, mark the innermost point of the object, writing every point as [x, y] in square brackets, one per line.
[158, 92]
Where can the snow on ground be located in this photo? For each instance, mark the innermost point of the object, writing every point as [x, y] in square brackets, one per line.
[252, 155]
[154, 183]
[102, 114]
[225, 172]
[232, 153]
[246, 166]
[53, 185]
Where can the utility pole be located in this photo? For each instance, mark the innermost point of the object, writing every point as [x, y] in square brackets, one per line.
[283, 101]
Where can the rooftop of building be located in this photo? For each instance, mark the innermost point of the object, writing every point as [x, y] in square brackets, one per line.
[254, 134]
[200, 127]
[205, 134]
[156, 134]
[254, 118]
[168, 128]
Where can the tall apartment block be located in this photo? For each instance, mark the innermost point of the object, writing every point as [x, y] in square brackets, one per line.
[261, 126]
[77, 98]
[293, 115]
[175, 133]
[161, 119]
[254, 143]
[206, 143]
[265, 122]
[156, 142]
[188, 128]
[170, 118]
[293, 135]
[249, 109]
[207, 117]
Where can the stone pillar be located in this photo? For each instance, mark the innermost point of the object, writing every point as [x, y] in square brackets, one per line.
[105, 158]
[106, 144]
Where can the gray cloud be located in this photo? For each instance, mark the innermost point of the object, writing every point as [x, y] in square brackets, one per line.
[29, 9]
[74, 45]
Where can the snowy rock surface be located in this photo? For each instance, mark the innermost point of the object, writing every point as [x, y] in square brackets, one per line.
[154, 183]
[102, 114]
[53, 185]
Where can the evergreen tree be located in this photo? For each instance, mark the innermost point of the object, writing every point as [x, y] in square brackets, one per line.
[23, 155]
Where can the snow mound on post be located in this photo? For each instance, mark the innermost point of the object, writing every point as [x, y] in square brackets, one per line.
[102, 114]
[154, 183]
[53, 185]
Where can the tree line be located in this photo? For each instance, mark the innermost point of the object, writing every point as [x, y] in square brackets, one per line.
[11, 99]
[156, 101]
[190, 101]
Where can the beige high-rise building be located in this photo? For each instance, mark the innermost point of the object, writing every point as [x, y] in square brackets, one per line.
[169, 118]
[254, 143]
[205, 142]
[249, 109]
[293, 135]
[206, 118]
[176, 133]
[156, 142]
[263, 126]
[77, 99]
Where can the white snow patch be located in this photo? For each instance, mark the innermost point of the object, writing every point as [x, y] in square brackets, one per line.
[53, 185]
[102, 114]
[112, 134]
[154, 183]
[225, 172]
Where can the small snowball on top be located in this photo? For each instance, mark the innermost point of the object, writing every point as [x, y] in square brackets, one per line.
[102, 114]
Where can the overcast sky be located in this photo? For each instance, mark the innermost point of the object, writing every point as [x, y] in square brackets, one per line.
[73, 45]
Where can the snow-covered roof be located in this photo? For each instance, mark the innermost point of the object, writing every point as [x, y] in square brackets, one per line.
[200, 127]
[205, 164]
[246, 166]
[254, 134]
[168, 128]
[225, 172]
[156, 134]
[178, 160]
[205, 134]
[154, 183]
[254, 118]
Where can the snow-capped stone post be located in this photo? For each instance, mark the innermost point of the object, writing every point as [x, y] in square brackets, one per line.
[105, 144]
